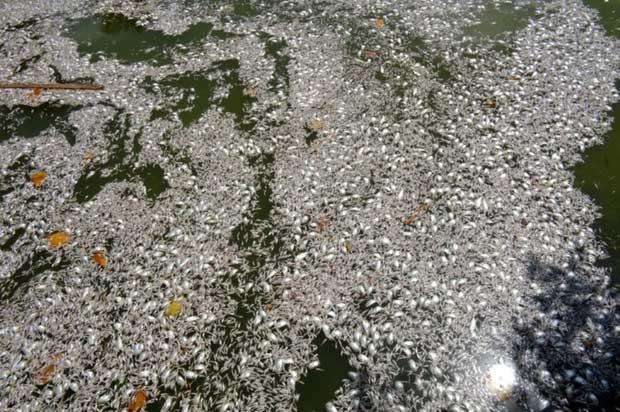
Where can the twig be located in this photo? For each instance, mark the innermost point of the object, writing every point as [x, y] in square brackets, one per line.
[47, 86]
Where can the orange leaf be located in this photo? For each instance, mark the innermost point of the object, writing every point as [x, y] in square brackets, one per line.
[268, 306]
[58, 238]
[100, 259]
[138, 401]
[379, 22]
[38, 177]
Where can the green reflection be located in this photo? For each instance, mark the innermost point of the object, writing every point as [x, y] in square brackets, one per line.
[501, 19]
[599, 174]
[116, 36]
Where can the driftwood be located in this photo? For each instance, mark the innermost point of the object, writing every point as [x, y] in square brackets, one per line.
[48, 86]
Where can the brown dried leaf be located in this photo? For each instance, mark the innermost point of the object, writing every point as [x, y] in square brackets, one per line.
[100, 258]
[38, 177]
[378, 22]
[44, 374]
[90, 155]
[416, 213]
[322, 223]
[514, 77]
[317, 124]
[58, 238]
[34, 94]
[138, 401]
[369, 53]
[268, 306]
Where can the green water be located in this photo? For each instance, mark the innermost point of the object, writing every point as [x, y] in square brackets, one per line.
[599, 174]
[118, 37]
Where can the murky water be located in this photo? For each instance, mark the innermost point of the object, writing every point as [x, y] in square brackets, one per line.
[186, 97]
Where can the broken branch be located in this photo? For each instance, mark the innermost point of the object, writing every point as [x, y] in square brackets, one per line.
[47, 86]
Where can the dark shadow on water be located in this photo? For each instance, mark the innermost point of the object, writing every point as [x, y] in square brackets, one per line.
[34, 265]
[194, 93]
[30, 121]
[119, 166]
[574, 333]
[319, 386]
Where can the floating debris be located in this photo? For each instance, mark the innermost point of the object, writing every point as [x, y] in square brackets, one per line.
[38, 177]
[342, 207]
[174, 308]
[58, 238]
[99, 258]
[138, 401]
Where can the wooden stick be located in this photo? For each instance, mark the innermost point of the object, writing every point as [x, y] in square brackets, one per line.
[65, 86]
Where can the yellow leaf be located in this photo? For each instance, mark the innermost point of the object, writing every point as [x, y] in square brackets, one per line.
[38, 177]
[490, 103]
[100, 259]
[58, 238]
[174, 308]
[138, 401]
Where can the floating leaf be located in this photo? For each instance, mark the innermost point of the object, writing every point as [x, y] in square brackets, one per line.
[379, 22]
[174, 308]
[38, 177]
[58, 238]
[317, 124]
[44, 375]
[90, 155]
[33, 96]
[369, 53]
[322, 223]
[100, 259]
[348, 245]
[138, 401]
[490, 103]
[250, 91]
